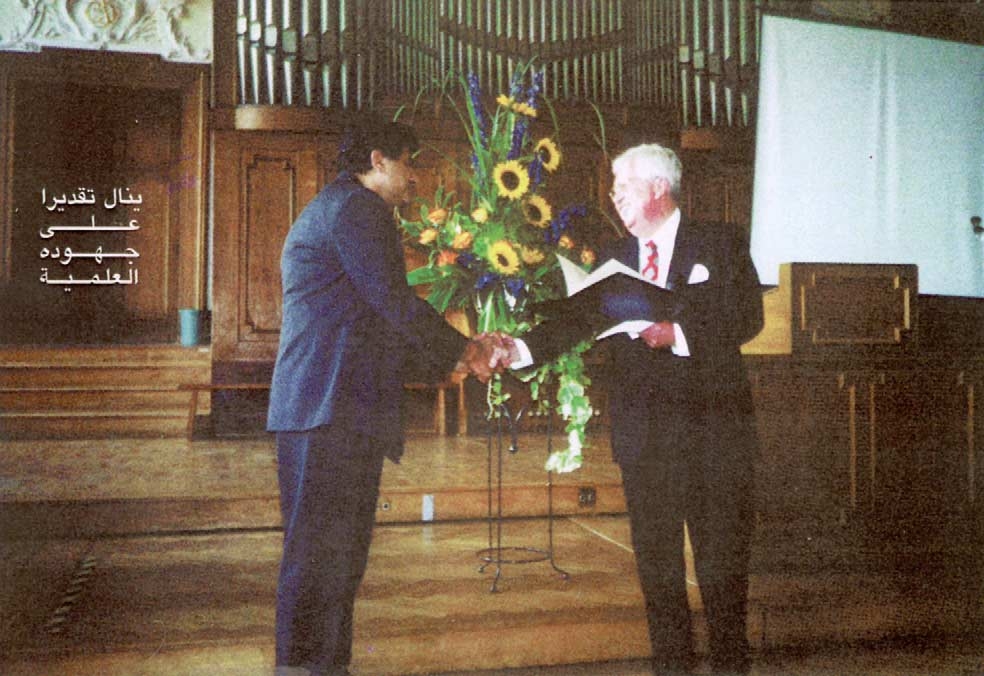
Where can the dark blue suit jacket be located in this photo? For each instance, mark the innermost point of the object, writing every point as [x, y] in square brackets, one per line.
[658, 398]
[351, 324]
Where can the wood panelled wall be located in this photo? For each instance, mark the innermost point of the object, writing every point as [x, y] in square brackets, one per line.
[871, 454]
[261, 181]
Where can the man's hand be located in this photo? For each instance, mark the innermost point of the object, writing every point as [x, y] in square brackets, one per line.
[485, 354]
[659, 335]
[504, 351]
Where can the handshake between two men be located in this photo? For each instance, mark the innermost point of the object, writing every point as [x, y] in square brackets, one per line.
[489, 353]
[486, 354]
[617, 304]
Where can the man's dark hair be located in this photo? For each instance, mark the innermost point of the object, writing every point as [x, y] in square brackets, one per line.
[367, 133]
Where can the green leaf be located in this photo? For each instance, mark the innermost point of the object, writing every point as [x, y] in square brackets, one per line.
[440, 295]
[423, 275]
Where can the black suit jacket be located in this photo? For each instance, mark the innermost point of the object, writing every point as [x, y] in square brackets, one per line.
[658, 398]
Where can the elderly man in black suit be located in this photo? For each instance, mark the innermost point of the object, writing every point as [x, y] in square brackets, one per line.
[683, 428]
[352, 327]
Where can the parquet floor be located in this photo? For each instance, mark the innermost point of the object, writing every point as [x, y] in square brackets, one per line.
[159, 557]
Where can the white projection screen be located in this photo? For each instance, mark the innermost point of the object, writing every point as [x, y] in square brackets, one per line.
[869, 149]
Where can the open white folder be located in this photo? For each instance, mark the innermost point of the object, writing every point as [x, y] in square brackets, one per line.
[576, 279]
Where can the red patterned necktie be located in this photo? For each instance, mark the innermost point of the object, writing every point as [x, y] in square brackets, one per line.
[651, 269]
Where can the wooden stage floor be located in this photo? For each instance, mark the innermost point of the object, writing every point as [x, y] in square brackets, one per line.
[152, 557]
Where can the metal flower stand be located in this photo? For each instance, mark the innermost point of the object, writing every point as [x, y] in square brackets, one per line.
[496, 554]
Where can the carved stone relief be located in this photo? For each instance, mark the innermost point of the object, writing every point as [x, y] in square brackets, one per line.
[178, 30]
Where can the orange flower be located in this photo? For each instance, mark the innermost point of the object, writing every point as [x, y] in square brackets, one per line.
[480, 215]
[565, 242]
[588, 257]
[427, 235]
[462, 240]
[531, 255]
[437, 216]
[447, 257]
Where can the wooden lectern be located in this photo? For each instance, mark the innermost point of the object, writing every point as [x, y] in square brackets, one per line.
[822, 309]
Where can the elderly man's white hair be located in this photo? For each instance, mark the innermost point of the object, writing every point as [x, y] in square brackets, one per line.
[649, 162]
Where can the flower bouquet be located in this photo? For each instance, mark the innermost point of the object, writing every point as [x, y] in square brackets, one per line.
[497, 255]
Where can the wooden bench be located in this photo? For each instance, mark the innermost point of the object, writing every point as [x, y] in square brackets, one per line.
[440, 403]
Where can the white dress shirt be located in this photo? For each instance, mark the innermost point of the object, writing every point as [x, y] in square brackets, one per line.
[665, 240]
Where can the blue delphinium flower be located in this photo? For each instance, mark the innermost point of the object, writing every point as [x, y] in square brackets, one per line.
[552, 234]
[486, 279]
[522, 124]
[563, 221]
[535, 170]
[516, 287]
[475, 93]
[516, 85]
[534, 91]
[519, 134]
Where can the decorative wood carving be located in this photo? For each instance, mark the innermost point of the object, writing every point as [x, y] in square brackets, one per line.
[170, 28]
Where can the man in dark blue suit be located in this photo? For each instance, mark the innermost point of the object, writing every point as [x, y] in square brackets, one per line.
[352, 328]
[683, 428]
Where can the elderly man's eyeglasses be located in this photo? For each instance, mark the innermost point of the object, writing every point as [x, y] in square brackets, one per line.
[623, 188]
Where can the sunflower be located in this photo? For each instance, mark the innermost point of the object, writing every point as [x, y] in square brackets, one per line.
[504, 258]
[512, 179]
[549, 154]
[537, 211]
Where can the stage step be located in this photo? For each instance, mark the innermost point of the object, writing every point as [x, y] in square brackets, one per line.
[99, 392]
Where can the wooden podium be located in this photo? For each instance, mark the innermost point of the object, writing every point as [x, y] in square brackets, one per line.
[865, 416]
[821, 309]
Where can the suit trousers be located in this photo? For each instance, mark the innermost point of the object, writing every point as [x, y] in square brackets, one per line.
[329, 485]
[685, 481]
